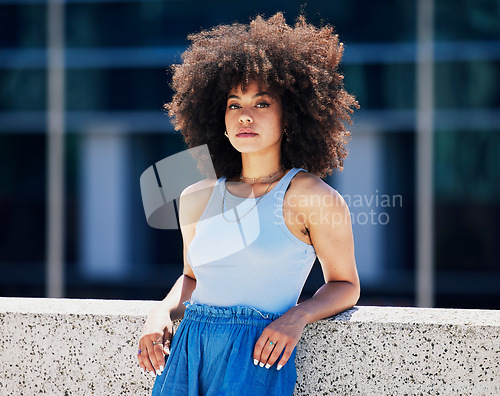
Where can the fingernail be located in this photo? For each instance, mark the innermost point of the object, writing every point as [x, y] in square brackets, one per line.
[161, 369]
[158, 372]
[261, 364]
[279, 366]
[256, 362]
[152, 374]
[268, 365]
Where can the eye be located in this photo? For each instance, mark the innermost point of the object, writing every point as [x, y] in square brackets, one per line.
[233, 106]
[263, 105]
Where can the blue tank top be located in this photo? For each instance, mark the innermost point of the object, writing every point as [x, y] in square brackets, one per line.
[255, 261]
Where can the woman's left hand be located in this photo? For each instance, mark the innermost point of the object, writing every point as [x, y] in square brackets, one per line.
[284, 333]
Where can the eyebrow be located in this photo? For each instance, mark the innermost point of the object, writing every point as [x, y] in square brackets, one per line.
[263, 93]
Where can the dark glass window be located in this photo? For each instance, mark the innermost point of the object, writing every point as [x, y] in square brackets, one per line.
[23, 26]
[467, 20]
[22, 90]
[381, 86]
[472, 84]
[118, 89]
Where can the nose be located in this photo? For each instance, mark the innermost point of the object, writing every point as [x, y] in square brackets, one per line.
[245, 118]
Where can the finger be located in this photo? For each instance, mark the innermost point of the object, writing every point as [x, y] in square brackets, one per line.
[143, 366]
[141, 353]
[152, 357]
[275, 354]
[285, 357]
[166, 347]
[167, 340]
[155, 349]
[140, 358]
[147, 362]
[160, 356]
[259, 347]
[266, 352]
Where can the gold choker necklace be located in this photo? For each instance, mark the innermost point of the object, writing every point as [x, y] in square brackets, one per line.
[258, 200]
[265, 179]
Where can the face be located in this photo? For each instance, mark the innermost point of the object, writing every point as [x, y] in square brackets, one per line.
[254, 119]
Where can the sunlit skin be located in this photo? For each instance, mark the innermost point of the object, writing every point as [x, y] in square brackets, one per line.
[305, 213]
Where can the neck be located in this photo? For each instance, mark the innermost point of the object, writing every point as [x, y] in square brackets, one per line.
[255, 166]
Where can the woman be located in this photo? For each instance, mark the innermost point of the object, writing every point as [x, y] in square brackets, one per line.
[269, 102]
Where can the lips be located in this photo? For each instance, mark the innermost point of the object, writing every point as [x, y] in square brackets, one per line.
[243, 132]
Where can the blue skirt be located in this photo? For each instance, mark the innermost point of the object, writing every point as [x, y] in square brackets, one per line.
[212, 354]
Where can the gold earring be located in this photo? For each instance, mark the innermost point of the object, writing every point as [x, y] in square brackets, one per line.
[225, 133]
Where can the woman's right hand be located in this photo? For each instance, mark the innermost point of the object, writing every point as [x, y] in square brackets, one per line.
[155, 341]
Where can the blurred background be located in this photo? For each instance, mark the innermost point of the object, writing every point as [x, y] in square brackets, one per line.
[82, 85]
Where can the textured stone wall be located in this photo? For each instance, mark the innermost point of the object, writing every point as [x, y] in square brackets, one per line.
[88, 347]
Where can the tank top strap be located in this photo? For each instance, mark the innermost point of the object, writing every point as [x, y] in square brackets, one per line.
[285, 180]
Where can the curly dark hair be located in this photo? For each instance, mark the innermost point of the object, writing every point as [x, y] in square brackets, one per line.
[297, 64]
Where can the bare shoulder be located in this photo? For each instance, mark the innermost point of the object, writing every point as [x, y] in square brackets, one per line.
[310, 192]
[194, 199]
[199, 187]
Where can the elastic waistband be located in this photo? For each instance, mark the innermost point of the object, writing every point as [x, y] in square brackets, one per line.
[231, 315]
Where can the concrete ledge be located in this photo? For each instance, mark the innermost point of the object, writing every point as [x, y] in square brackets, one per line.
[88, 347]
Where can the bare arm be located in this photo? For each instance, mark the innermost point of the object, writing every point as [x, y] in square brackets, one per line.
[329, 225]
[334, 245]
[157, 332]
[181, 292]
[190, 205]
[159, 327]
[183, 288]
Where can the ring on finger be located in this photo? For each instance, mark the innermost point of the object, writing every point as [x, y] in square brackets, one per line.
[156, 342]
[139, 351]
